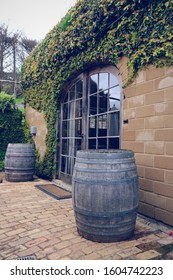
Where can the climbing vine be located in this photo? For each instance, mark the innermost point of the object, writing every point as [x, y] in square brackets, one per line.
[92, 32]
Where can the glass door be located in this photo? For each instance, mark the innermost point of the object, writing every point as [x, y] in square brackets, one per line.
[104, 111]
[71, 128]
[90, 116]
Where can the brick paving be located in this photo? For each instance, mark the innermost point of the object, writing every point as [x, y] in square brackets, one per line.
[34, 223]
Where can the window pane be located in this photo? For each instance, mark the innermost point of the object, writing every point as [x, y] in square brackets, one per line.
[103, 81]
[102, 143]
[70, 165]
[77, 145]
[65, 146]
[93, 83]
[114, 104]
[113, 80]
[114, 124]
[79, 89]
[115, 92]
[93, 104]
[78, 108]
[71, 110]
[71, 146]
[103, 101]
[64, 128]
[102, 125]
[114, 100]
[92, 127]
[92, 144]
[71, 128]
[113, 143]
[78, 128]
[65, 97]
[72, 92]
[65, 111]
[64, 164]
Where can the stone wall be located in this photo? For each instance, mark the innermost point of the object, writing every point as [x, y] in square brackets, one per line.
[34, 118]
[148, 108]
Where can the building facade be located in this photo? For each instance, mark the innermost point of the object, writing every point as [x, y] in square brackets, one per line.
[103, 79]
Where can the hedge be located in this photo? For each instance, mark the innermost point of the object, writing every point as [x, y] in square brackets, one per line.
[13, 128]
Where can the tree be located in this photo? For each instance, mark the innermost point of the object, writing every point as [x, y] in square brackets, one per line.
[14, 48]
[5, 44]
[28, 44]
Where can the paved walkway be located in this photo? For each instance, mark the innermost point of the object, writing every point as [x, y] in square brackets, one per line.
[33, 223]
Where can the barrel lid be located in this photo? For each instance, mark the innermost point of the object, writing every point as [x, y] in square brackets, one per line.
[20, 145]
[102, 153]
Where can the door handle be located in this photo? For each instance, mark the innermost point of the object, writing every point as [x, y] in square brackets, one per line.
[81, 136]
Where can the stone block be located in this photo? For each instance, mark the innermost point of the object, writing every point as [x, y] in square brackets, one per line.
[162, 188]
[136, 124]
[169, 205]
[154, 97]
[136, 101]
[164, 216]
[145, 135]
[156, 147]
[154, 174]
[169, 149]
[164, 82]
[146, 184]
[130, 91]
[129, 114]
[153, 72]
[146, 209]
[154, 122]
[163, 108]
[145, 87]
[141, 171]
[145, 111]
[155, 200]
[168, 94]
[168, 176]
[144, 160]
[164, 162]
[129, 135]
[137, 147]
[164, 135]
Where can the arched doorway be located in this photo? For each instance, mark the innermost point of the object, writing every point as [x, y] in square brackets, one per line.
[90, 116]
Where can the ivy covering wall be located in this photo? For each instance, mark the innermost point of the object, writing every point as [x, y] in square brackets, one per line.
[94, 32]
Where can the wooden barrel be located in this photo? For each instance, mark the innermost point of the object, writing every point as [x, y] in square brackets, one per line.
[105, 194]
[19, 162]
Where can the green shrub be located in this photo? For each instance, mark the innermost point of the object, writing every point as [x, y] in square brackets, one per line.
[13, 127]
[2, 155]
[7, 102]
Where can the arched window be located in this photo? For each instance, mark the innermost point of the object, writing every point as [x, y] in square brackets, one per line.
[90, 115]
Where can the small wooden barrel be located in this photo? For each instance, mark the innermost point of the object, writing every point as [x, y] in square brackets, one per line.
[105, 194]
[19, 162]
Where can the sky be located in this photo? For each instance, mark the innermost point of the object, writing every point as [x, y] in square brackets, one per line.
[35, 18]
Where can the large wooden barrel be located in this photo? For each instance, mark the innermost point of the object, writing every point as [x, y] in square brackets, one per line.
[105, 194]
[19, 162]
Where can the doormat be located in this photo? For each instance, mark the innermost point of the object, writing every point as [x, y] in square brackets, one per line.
[54, 191]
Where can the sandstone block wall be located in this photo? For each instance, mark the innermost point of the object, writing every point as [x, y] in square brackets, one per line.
[148, 107]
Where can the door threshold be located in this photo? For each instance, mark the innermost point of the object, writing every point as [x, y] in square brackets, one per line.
[62, 184]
